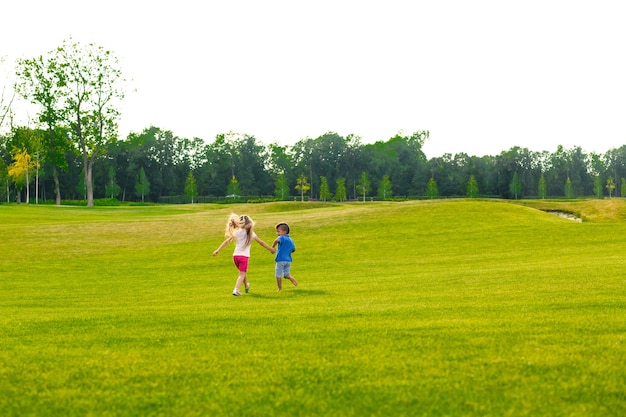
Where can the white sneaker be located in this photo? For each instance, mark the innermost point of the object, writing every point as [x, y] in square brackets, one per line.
[236, 293]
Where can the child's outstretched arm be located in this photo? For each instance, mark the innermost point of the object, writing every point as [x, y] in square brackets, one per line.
[224, 243]
[265, 245]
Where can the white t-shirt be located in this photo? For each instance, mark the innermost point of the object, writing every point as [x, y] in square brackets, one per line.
[241, 249]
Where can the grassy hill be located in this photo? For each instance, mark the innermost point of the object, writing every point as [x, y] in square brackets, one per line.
[442, 307]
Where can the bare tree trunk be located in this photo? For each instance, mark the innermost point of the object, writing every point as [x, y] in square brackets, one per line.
[55, 173]
[87, 165]
[37, 183]
[27, 188]
[89, 181]
[57, 188]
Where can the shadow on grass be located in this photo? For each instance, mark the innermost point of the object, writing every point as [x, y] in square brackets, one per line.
[290, 293]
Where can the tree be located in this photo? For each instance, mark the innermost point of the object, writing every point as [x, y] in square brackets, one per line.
[569, 189]
[40, 81]
[558, 171]
[384, 188]
[515, 173]
[431, 189]
[5, 104]
[610, 185]
[320, 157]
[241, 156]
[90, 78]
[542, 188]
[364, 184]
[249, 165]
[30, 142]
[233, 188]
[402, 158]
[38, 157]
[278, 160]
[281, 189]
[472, 187]
[516, 186]
[20, 170]
[191, 188]
[81, 189]
[112, 190]
[324, 189]
[582, 179]
[623, 188]
[302, 185]
[597, 187]
[157, 152]
[340, 192]
[142, 187]
[4, 181]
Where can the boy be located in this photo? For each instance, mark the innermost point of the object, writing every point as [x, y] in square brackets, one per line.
[286, 247]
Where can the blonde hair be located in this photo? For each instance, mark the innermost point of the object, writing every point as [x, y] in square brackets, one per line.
[236, 221]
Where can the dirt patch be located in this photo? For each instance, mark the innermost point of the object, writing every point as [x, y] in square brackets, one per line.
[565, 215]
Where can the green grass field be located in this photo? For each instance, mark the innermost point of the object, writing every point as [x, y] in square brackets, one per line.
[434, 308]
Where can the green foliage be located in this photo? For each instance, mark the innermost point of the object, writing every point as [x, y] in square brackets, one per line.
[431, 189]
[400, 158]
[597, 187]
[87, 81]
[107, 202]
[325, 194]
[340, 192]
[244, 157]
[191, 188]
[610, 186]
[516, 186]
[142, 187]
[364, 185]
[281, 190]
[77, 92]
[4, 181]
[302, 185]
[143, 323]
[384, 188]
[622, 189]
[81, 188]
[262, 200]
[233, 188]
[472, 187]
[112, 189]
[166, 158]
[542, 187]
[41, 81]
[103, 202]
[569, 189]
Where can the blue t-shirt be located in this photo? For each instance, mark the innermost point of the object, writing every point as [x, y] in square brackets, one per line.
[285, 247]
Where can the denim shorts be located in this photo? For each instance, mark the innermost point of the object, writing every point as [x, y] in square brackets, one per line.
[283, 268]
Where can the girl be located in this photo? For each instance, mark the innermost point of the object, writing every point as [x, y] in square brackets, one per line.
[240, 229]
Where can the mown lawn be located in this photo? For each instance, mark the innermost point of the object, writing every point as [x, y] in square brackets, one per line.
[435, 308]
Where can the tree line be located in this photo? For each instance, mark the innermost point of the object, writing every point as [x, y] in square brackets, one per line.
[157, 166]
[73, 153]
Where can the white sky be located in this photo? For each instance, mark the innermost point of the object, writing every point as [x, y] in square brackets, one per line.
[482, 76]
